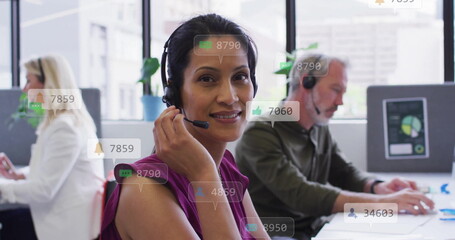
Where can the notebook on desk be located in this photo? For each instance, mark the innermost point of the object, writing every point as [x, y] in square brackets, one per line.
[406, 225]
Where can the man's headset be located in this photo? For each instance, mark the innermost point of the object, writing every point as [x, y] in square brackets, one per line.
[309, 81]
[42, 77]
[171, 92]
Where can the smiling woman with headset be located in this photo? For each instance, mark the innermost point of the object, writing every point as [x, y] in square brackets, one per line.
[191, 188]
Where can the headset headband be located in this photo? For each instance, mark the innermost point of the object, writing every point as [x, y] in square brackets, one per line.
[42, 78]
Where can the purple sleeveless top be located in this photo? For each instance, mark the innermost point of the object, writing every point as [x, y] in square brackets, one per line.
[178, 184]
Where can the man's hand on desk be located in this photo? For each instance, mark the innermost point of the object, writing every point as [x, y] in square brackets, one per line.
[405, 193]
[402, 192]
[7, 168]
[394, 185]
[409, 200]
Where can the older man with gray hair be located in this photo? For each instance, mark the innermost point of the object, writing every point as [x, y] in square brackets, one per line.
[296, 169]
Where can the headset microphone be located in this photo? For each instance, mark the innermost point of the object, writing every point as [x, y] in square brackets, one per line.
[197, 123]
[314, 105]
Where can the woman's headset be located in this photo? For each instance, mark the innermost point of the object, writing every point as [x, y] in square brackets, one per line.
[171, 92]
[42, 77]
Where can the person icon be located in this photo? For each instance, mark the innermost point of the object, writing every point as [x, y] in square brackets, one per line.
[199, 192]
[352, 213]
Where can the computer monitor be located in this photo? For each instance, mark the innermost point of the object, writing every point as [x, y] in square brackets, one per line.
[16, 142]
[410, 128]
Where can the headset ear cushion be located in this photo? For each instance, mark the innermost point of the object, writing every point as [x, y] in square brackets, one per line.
[308, 82]
[41, 79]
[168, 96]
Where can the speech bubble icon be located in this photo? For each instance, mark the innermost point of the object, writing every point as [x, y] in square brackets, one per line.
[273, 111]
[209, 192]
[126, 173]
[36, 106]
[205, 44]
[220, 45]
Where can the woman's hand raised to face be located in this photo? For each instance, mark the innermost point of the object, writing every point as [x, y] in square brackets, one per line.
[178, 148]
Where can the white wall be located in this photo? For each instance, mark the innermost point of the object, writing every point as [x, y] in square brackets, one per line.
[350, 135]
[129, 129]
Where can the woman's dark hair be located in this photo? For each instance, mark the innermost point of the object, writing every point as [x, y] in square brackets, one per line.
[182, 41]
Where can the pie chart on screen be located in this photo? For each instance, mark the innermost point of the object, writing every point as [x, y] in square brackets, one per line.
[411, 126]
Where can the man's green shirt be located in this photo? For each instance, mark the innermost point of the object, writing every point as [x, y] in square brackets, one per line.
[295, 172]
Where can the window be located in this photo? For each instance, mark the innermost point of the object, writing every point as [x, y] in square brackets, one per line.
[382, 45]
[100, 38]
[264, 21]
[5, 44]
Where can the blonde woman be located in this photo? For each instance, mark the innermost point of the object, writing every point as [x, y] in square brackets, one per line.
[63, 187]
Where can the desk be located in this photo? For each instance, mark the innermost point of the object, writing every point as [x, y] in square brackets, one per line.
[11, 206]
[432, 229]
